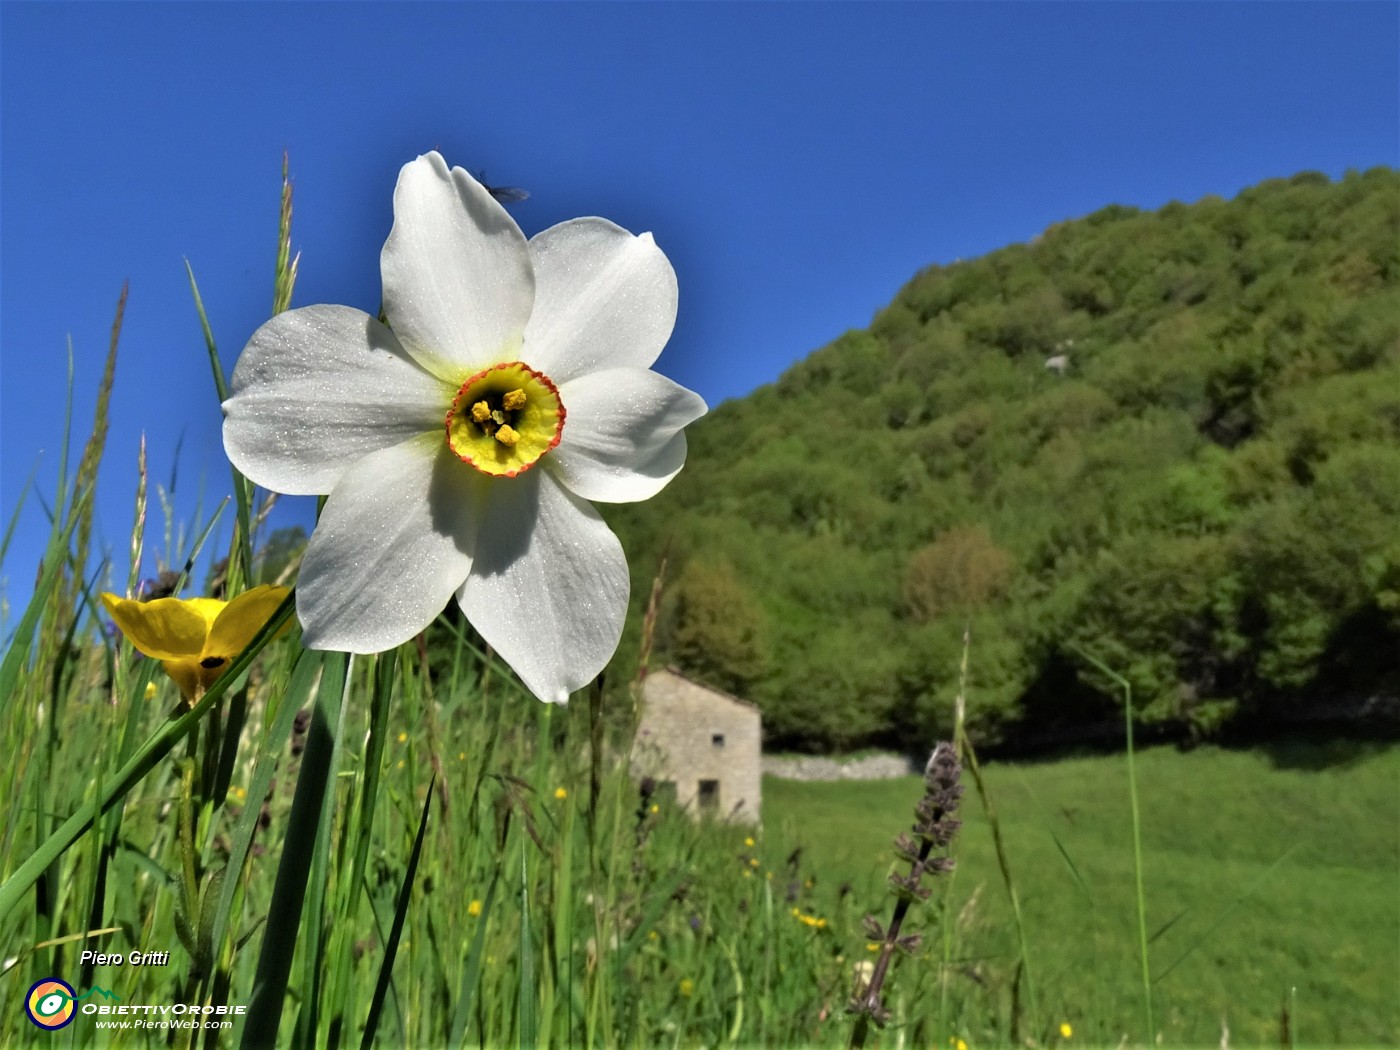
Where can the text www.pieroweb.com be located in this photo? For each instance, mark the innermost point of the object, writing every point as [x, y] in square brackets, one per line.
[152, 1017]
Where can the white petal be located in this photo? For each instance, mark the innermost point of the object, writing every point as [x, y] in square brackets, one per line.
[318, 388]
[618, 424]
[456, 270]
[393, 543]
[548, 587]
[603, 299]
[641, 482]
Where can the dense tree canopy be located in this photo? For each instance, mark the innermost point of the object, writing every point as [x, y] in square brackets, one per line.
[1169, 439]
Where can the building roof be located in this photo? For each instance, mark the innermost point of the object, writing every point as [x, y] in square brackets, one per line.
[671, 670]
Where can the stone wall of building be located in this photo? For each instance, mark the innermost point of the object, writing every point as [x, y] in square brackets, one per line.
[705, 742]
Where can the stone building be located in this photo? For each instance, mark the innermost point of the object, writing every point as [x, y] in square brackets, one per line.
[701, 744]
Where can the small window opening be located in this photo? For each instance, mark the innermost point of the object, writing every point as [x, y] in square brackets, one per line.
[717, 741]
[709, 796]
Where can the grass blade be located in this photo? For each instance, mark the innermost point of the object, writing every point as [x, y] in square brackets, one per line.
[391, 945]
[241, 559]
[471, 972]
[18, 653]
[298, 854]
[1137, 839]
[298, 689]
[528, 1026]
[1225, 913]
[314, 905]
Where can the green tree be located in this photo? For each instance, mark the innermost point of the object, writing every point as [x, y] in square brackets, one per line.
[719, 627]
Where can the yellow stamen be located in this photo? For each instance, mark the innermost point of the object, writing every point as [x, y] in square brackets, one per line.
[504, 418]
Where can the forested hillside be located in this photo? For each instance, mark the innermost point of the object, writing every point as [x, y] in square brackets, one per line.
[1169, 439]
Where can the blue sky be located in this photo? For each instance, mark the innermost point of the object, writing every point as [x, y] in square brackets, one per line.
[798, 162]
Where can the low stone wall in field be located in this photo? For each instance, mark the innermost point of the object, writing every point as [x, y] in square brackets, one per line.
[811, 767]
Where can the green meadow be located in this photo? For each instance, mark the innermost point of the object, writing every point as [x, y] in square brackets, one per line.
[1271, 881]
[478, 870]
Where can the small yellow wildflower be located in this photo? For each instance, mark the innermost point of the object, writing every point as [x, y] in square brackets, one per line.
[1065, 1030]
[961, 1045]
[796, 912]
[561, 793]
[237, 793]
[398, 764]
[194, 639]
[655, 808]
[652, 935]
[402, 737]
[474, 909]
[687, 987]
[874, 946]
[748, 842]
[151, 690]
[753, 862]
[461, 756]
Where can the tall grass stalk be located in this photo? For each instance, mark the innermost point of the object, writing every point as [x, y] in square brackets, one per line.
[968, 756]
[1140, 891]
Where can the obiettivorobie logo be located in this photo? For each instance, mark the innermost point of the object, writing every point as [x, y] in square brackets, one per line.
[50, 1003]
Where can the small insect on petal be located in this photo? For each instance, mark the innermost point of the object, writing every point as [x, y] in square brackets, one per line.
[504, 194]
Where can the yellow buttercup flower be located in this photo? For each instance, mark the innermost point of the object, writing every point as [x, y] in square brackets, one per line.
[1065, 1030]
[687, 987]
[474, 909]
[194, 638]
[561, 793]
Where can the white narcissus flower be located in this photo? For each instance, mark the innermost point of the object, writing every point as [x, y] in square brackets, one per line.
[460, 444]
